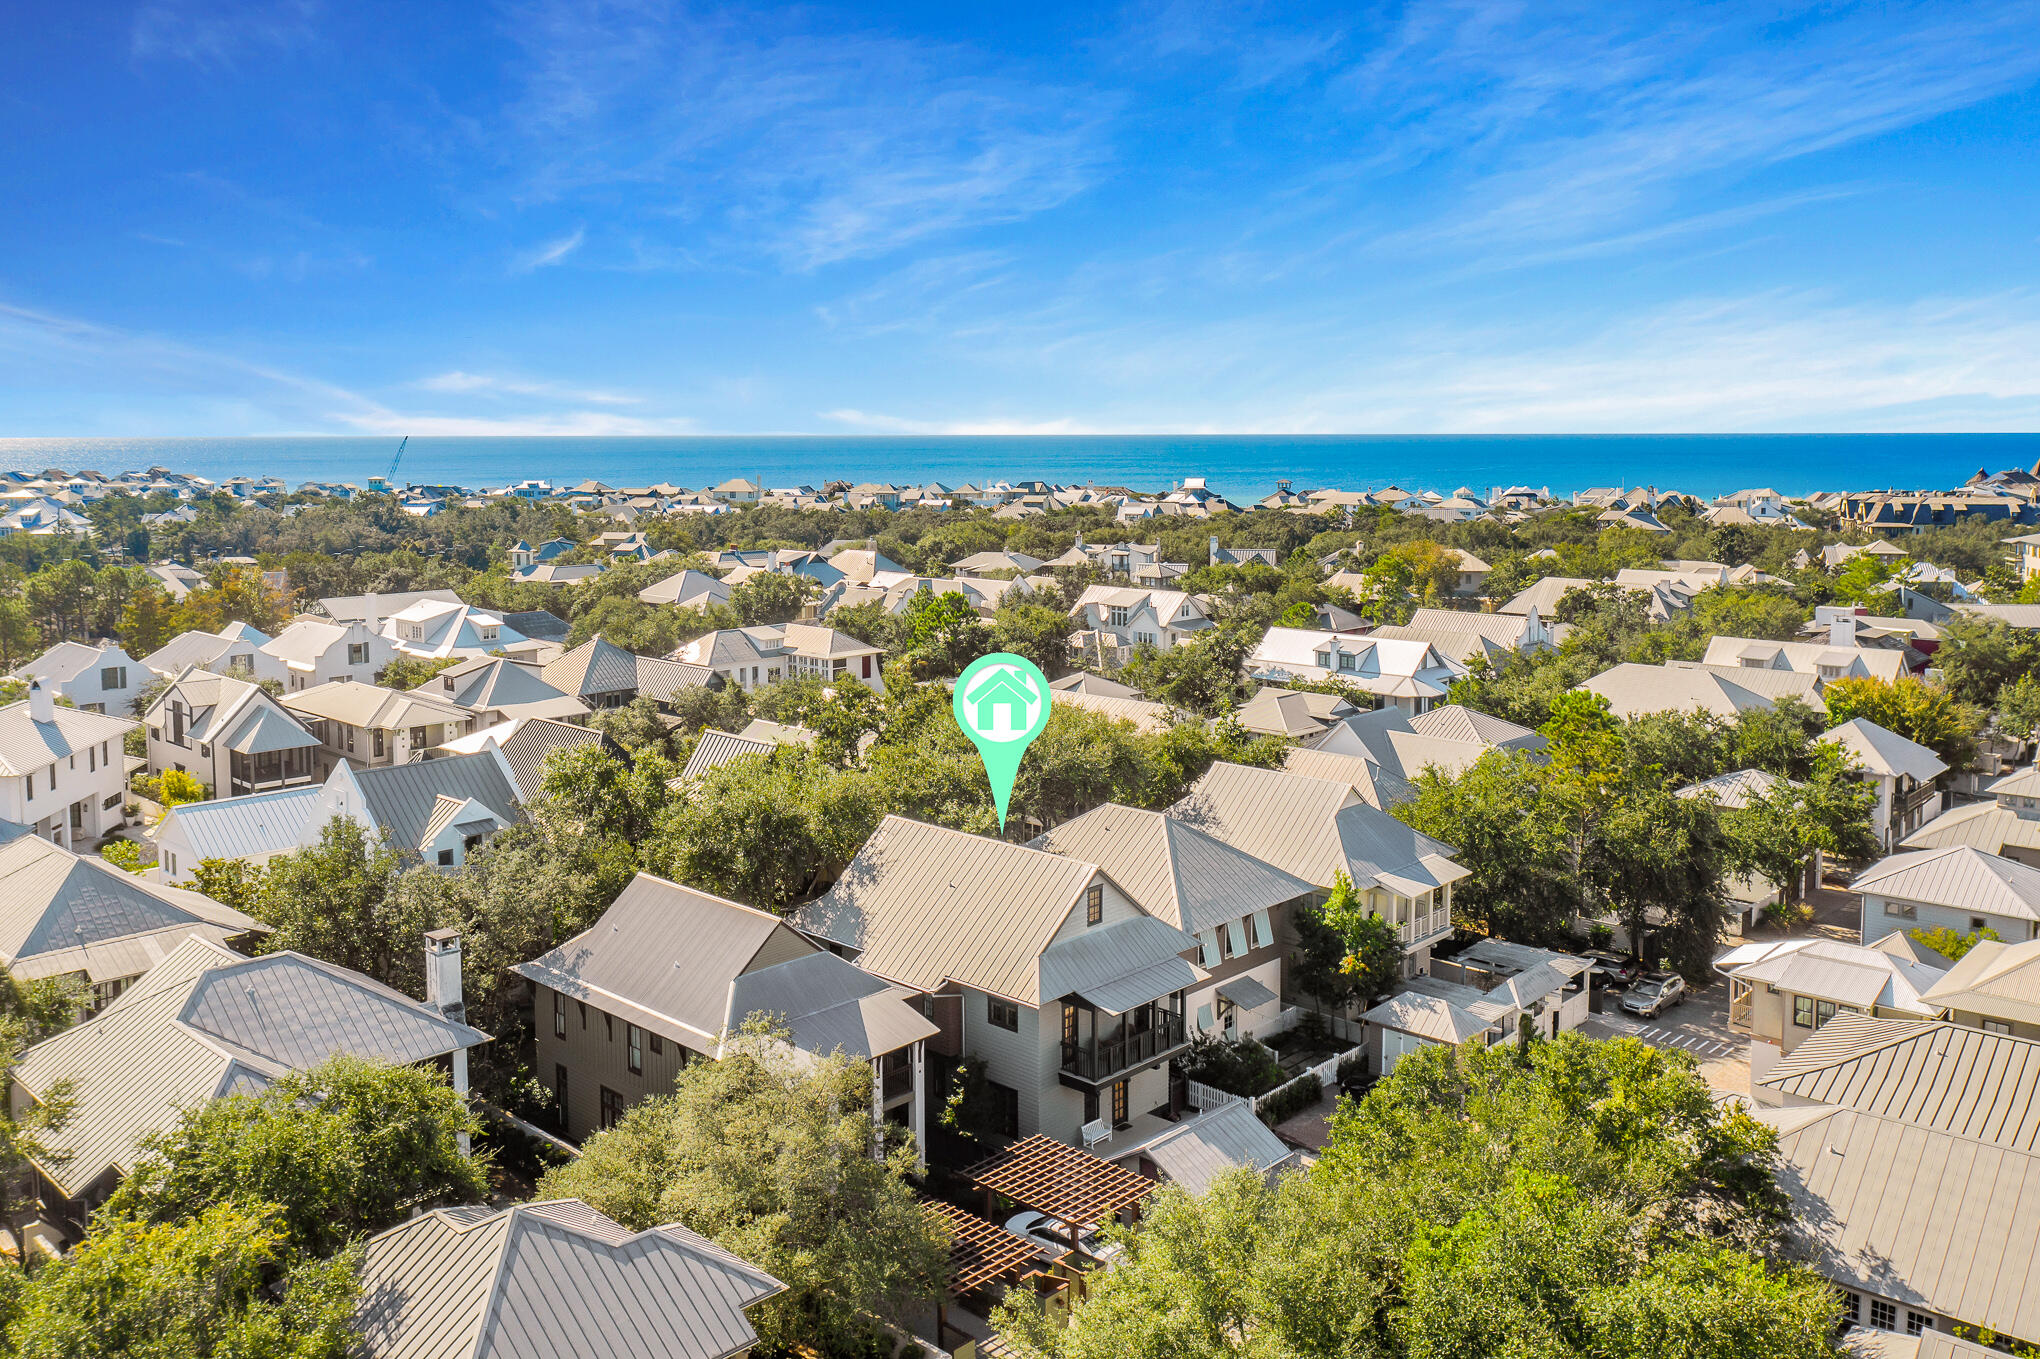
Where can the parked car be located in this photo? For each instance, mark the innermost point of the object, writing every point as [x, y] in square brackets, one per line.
[1655, 994]
[1613, 971]
[1049, 1234]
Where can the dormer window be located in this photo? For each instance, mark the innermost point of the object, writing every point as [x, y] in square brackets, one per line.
[1117, 615]
[1094, 904]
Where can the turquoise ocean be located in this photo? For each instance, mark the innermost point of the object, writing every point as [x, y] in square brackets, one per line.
[1242, 467]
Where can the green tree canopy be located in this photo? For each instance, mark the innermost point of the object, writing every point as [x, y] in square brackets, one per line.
[339, 1152]
[1923, 713]
[770, 1155]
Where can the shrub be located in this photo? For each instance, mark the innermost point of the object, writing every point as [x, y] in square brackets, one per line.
[1293, 1099]
[125, 855]
[1238, 1067]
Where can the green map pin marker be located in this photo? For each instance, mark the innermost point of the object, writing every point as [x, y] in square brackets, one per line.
[1001, 702]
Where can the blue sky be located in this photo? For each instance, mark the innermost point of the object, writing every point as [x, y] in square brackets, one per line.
[302, 217]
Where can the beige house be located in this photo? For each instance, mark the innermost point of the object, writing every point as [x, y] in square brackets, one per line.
[366, 725]
[1041, 966]
[1314, 829]
[669, 974]
[1782, 992]
[2008, 825]
[1995, 987]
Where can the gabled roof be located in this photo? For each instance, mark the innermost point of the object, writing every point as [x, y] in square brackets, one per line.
[401, 798]
[241, 827]
[305, 641]
[1634, 690]
[1771, 684]
[1960, 876]
[1925, 1217]
[1197, 1151]
[550, 1278]
[62, 912]
[1735, 789]
[1457, 722]
[1885, 752]
[188, 648]
[1997, 980]
[205, 1022]
[1172, 870]
[1312, 828]
[713, 749]
[66, 661]
[1849, 974]
[685, 587]
[27, 745]
[924, 904]
[1932, 1073]
[1376, 785]
[370, 705]
[348, 607]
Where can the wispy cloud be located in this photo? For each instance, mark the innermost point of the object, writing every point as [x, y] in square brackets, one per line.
[872, 423]
[462, 383]
[220, 34]
[227, 393]
[738, 127]
[551, 253]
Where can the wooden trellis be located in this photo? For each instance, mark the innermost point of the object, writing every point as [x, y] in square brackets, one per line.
[980, 1252]
[1067, 1184]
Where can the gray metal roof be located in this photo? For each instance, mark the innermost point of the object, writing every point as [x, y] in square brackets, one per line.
[1171, 869]
[1144, 715]
[672, 952]
[494, 682]
[61, 912]
[348, 607]
[1313, 828]
[1634, 690]
[1933, 1073]
[401, 798]
[597, 666]
[371, 705]
[205, 1021]
[1457, 722]
[1245, 992]
[1989, 826]
[926, 904]
[827, 1005]
[237, 827]
[717, 748]
[537, 624]
[264, 730]
[1197, 1151]
[525, 749]
[1961, 876]
[1119, 966]
[1851, 974]
[26, 744]
[1915, 1214]
[554, 1278]
[187, 648]
[1885, 752]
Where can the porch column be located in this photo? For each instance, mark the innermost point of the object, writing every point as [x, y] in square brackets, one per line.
[917, 1109]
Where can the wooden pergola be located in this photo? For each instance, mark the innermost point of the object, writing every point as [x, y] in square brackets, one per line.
[1066, 1183]
[980, 1252]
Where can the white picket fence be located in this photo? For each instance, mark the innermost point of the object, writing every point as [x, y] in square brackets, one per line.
[1326, 1071]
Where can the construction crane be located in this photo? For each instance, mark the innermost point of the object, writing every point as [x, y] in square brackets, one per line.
[382, 483]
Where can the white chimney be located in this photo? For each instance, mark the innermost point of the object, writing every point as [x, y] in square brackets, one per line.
[1842, 632]
[41, 706]
[373, 607]
[442, 993]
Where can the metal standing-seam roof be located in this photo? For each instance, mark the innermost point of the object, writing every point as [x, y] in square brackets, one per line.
[27, 745]
[1990, 826]
[1196, 1152]
[370, 705]
[717, 748]
[1120, 966]
[1735, 789]
[826, 1005]
[1775, 685]
[526, 743]
[597, 666]
[207, 1021]
[401, 798]
[1457, 722]
[186, 649]
[557, 1277]
[1930, 1072]
[1957, 875]
[241, 827]
[925, 905]
[1377, 786]
[1928, 1218]
[1850, 974]
[1314, 828]
[1634, 690]
[62, 912]
[1172, 870]
[1885, 752]
[1145, 715]
[1997, 980]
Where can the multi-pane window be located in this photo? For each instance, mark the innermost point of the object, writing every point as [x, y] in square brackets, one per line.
[1225, 948]
[1069, 1024]
[113, 677]
[1915, 1322]
[1002, 1014]
[634, 1048]
[1883, 1315]
[1802, 1011]
[1118, 1102]
[1996, 1026]
[559, 1015]
[612, 1108]
[357, 653]
[417, 738]
[1852, 1307]
[378, 741]
[1094, 904]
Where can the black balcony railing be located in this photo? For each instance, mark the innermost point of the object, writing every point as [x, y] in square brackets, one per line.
[896, 1079]
[1100, 1059]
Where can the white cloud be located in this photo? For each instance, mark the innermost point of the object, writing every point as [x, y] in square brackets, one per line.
[220, 34]
[551, 253]
[462, 383]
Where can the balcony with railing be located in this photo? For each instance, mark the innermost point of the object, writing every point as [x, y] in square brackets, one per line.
[1141, 1040]
[895, 1077]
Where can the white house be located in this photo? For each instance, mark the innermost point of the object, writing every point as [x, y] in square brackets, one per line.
[230, 651]
[314, 651]
[229, 733]
[1127, 617]
[438, 810]
[435, 630]
[1903, 772]
[1410, 674]
[60, 770]
[366, 724]
[99, 677]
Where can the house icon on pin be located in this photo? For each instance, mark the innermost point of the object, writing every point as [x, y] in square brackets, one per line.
[999, 703]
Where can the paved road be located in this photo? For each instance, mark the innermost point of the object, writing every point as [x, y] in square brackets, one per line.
[1697, 1024]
